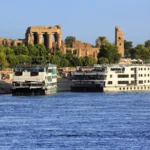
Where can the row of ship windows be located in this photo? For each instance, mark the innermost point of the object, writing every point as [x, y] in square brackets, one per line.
[132, 75]
[135, 88]
[132, 82]
[140, 69]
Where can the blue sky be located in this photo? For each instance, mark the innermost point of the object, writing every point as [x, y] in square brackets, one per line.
[84, 19]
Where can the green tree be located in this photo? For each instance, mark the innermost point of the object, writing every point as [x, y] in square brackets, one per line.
[147, 44]
[54, 59]
[88, 61]
[101, 40]
[12, 60]
[23, 59]
[33, 51]
[9, 51]
[140, 52]
[75, 61]
[41, 50]
[64, 63]
[69, 40]
[20, 50]
[127, 47]
[103, 60]
[60, 54]
[109, 51]
[3, 61]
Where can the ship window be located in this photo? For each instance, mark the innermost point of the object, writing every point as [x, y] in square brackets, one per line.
[123, 76]
[141, 88]
[132, 75]
[130, 88]
[132, 82]
[49, 70]
[120, 88]
[139, 75]
[18, 73]
[34, 73]
[144, 81]
[141, 68]
[140, 81]
[145, 75]
[148, 75]
[123, 82]
[144, 68]
[132, 68]
[109, 82]
[110, 76]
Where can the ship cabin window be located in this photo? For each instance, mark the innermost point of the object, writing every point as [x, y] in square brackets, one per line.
[144, 75]
[141, 75]
[123, 82]
[18, 73]
[144, 81]
[148, 68]
[132, 82]
[144, 68]
[49, 70]
[34, 73]
[132, 68]
[110, 76]
[110, 82]
[148, 81]
[141, 68]
[148, 75]
[140, 81]
[123, 76]
[132, 75]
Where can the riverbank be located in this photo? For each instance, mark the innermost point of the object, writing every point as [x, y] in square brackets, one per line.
[5, 86]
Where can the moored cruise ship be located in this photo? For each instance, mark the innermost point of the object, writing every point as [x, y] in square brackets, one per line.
[36, 79]
[109, 78]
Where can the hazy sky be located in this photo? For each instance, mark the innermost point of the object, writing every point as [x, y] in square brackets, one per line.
[84, 19]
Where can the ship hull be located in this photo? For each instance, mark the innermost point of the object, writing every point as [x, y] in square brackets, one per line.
[33, 92]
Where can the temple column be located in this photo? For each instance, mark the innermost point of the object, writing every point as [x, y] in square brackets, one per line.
[49, 41]
[87, 53]
[29, 38]
[39, 38]
[59, 37]
[79, 52]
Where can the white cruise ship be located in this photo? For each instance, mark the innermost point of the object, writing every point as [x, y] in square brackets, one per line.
[38, 79]
[112, 78]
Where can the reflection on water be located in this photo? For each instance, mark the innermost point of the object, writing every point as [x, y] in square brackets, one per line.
[90, 121]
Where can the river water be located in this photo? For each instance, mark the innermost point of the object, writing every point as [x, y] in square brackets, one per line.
[76, 121]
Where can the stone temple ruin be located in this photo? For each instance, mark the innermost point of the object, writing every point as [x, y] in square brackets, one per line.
[51, 37]
[44, 35]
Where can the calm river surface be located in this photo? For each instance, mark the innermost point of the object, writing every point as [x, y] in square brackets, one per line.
[76, 121]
